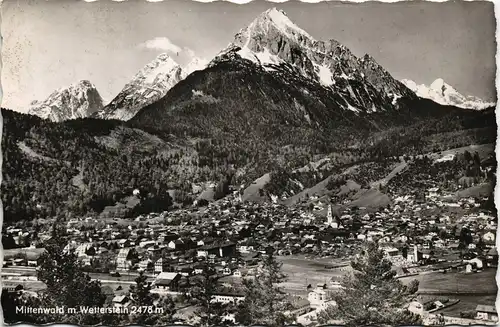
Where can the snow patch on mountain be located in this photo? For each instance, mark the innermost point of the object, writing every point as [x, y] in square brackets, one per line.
[194, 65]
[79, 100]
[441, 92]
[274, 42]
[264, 58]
[283, 23]
[325, 74]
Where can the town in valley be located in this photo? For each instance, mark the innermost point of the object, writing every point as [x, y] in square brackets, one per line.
[284, 180]
[442, 235]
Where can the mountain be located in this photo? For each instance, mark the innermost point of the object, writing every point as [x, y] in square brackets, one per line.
[150, 84]
[273, 101]
[194, 65]
[79, 100]
[273, 39]
[445, 94]
[276, 83]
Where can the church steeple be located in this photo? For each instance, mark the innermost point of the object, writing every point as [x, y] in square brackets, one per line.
[329, 215]
[329, 218]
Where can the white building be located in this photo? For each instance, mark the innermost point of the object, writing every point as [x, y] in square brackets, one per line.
[489, 236]
[227, 298]
[318, 298]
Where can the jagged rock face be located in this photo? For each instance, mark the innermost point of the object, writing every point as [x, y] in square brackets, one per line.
[382, 80]
[77, 101]
[445, 94]
[272, 40]
[276, 80]
[149, 85]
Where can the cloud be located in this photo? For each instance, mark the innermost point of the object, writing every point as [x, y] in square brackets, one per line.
[161, 43]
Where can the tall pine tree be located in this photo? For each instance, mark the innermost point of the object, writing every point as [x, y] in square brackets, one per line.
[209, 313]
[67, 284]
[265, 303]
[371, 295]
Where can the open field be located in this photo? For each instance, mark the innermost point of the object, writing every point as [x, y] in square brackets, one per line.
[480, 190]
[467, 302]
[302, 271]
[10, 253]
[483, 150]
[483, 282]
[251, 193]
[397, 169]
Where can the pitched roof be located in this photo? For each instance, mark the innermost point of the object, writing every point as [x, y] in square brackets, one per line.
[165, 282]
[167, 276]
[229, 293]
[217, 245]
[120, 298]
[493, 251]
[486, 308]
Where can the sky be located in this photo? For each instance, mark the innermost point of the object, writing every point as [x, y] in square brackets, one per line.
[49, 44]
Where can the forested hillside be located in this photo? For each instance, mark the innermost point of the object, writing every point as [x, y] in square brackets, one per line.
[79, 167]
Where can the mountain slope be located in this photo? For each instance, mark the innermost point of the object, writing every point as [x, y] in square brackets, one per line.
[273, 39]
[270, 84]
[76, 101]
[43, 158]
[240, 114]
[445, 94]
[261, 103]
[147, 86]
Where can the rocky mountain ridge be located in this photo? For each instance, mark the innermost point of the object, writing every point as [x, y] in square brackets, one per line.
[78, 100]
[149, 85]
[272, 40]
[441, 92]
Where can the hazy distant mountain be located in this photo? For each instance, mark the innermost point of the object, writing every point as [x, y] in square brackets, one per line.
[79, 100]
[445, 94]
[147, 86]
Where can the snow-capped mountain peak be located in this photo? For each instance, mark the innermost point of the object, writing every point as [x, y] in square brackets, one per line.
[256, 42]
[78, 100]
[149, 85]
[441, 92]
[275, 43]
[160, 68]
[440, 85]
[280, 20]
[194, 65]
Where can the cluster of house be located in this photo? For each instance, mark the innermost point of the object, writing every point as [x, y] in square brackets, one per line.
[233, 236]
[249, 228]
[482, 314]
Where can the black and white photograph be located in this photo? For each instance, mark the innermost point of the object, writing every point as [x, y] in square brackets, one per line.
[270, 162]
